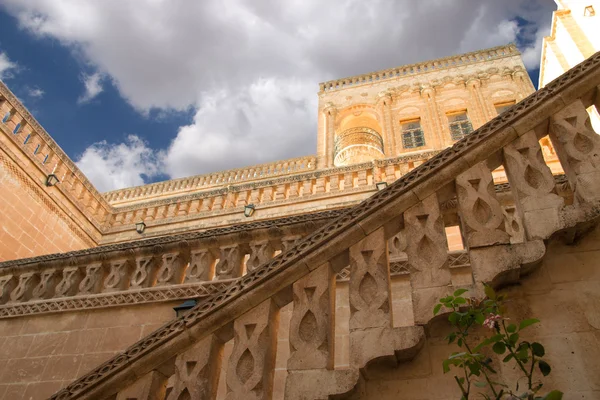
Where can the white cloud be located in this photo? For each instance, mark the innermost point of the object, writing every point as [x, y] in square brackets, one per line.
[251, 68]
[113, 166]
[93, 87]
[35, 92]
[6, 66]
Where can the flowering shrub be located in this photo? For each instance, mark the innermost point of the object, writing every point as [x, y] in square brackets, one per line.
[476, 368]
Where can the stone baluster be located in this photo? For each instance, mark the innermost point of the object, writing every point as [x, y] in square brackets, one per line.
[197, 371]
[27, 282]
[312, 340]
[251, 366]
[427, 251]
[533, 188]
[230, 262]
[202, 266]
[69, 284]
[46, 285]
[144, 274]
[371, 333]
[260, 253]
[578, 149]
[94, 277]
[7, 284]
[480, 211]
[151, 386]
[172, 269]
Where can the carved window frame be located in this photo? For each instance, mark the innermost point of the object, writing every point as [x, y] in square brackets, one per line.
[459, 124]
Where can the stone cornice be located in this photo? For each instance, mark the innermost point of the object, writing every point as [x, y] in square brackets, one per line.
[421, 68]
[45, 136]
[214, 180]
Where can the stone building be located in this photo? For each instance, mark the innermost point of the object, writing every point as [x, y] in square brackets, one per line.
[313, 277]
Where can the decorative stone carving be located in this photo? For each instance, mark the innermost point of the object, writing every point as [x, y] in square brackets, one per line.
[427, 247]
[118, 277]
[171, 271]
[578, 148]
[480, 211]
[252, 362]
[70, 281]
[197, 371]
[312, 323]
[230, 263]
[369, 287]
[94, 275]
[513, 224]
[144, 274]
[27, 282]
[202, 266]
[260, 253]
[46, 285]
[533, 187]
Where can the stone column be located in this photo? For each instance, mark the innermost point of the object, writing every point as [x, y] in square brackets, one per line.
[330, 114]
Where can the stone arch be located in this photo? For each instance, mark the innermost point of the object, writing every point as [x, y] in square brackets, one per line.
[358, 135]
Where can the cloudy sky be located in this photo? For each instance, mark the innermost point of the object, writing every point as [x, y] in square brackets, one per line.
[137, 91]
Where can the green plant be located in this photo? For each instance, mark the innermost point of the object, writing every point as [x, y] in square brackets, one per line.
[475, 367]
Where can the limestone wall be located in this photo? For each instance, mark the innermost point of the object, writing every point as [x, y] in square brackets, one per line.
[31, 223]
[564, 293]
[41, 354]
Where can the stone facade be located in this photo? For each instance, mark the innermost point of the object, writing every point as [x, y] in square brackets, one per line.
[327, 290]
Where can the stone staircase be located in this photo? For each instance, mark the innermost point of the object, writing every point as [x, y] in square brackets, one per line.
[504, 234]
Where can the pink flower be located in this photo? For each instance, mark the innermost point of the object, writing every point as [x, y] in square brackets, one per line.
[490, 321]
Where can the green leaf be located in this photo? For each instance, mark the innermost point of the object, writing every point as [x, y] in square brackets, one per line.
[490, 292]
[437, 309]
[513, 339]
[481, 384]
[460, 300]
[453, 317]
[479, 318]
[458, 292]
[451, 337]
[537, 349]
[499, 348]
[544, 367]
[446, 365]
[525, 323]
[508, 358]
[459, 342]
[554, 395]
[511, 328]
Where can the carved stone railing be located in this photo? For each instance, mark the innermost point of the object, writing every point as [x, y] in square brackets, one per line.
[419, 68]
[193, 265]
[299, 188]
[22, 129]
[212, 180]
[406, 223]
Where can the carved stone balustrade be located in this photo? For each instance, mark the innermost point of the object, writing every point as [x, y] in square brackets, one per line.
[403, 227]
[192, 265]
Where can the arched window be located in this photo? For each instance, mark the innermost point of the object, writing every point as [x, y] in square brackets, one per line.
[6, 117]
[412, 134]
[17, 128]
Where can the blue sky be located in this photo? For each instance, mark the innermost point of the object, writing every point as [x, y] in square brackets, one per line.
[141, 91]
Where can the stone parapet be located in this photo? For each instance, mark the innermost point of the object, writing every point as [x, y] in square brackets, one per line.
[421, 68]
[503, 243]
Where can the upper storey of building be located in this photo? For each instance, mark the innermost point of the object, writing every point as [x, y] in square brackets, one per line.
[371, 128]
[417, 107]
